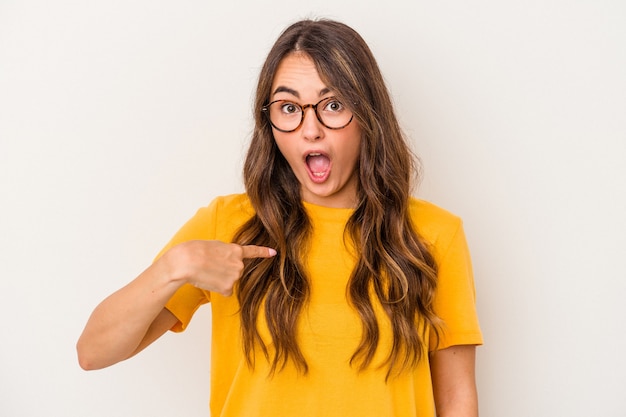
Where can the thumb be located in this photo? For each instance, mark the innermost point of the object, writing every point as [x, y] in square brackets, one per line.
[253, 251]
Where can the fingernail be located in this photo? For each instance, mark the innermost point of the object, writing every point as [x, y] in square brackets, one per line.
[272, 252]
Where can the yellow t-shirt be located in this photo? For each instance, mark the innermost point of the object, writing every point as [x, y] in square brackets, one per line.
[329, 329]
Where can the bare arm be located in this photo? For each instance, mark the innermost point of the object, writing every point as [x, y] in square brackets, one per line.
[117, 327]
[454, 383]
[134, 316]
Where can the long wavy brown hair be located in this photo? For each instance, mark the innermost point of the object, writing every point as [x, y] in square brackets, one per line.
[394, 264]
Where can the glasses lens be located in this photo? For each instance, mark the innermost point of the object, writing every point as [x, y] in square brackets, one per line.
[285, 115]
[332, 113]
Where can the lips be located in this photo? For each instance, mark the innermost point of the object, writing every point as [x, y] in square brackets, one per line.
[318, 165]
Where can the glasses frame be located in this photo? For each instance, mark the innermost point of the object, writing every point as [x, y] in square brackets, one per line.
[266, 109]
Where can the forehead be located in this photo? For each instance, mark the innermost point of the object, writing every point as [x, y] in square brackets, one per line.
[297, 75]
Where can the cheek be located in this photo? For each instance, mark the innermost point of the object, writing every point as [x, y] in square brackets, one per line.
[356, 157]
[353, 149]
[280, 143]
[284, 147]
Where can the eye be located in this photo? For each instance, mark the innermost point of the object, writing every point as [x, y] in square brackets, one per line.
[289, 108]
[333, 105]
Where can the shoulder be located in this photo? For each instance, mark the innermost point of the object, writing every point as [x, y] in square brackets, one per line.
[235, 203]
[227, 213]
[435, 224]
[226, 205]
[218, 220]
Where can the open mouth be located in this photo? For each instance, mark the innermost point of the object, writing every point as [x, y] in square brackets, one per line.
[318, 164]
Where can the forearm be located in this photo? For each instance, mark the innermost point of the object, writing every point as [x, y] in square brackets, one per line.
[118, 324]
[133, 317]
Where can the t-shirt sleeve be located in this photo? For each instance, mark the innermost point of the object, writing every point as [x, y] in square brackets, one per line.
[455, 299]
[187, 299]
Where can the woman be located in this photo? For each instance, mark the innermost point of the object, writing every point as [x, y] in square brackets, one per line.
[333, 291]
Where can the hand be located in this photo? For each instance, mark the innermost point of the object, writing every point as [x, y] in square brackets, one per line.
[212, 265]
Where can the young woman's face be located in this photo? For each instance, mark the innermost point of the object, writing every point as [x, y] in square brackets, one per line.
[324, 160]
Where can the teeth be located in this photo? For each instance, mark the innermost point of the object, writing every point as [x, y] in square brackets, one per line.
[315, 174]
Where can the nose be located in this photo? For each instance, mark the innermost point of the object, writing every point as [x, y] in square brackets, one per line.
[311, 127]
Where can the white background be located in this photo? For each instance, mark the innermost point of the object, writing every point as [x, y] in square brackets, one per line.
[119, 119]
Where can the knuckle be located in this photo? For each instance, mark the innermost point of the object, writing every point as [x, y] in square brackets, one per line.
[236, 249]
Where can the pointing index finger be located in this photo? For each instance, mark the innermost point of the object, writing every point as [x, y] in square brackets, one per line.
[253, 251]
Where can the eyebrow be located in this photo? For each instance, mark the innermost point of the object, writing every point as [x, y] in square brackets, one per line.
[283, 89]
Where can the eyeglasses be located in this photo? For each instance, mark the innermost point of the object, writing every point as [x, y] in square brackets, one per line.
[287, 116]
